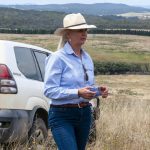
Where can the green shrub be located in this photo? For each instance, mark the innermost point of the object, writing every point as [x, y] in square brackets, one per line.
[120, 68]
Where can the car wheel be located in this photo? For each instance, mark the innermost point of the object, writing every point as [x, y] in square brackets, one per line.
[38, 133]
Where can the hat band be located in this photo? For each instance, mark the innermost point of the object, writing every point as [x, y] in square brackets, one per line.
[75, 25]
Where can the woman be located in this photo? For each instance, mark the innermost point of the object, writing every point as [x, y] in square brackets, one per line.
[69, 84]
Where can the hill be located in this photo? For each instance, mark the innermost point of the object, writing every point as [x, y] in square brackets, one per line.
[90, 9]
[50, 20]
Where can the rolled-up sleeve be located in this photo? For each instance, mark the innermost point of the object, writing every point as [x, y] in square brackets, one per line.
[52, 80]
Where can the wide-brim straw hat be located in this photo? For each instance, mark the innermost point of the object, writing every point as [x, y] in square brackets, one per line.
[73, 22]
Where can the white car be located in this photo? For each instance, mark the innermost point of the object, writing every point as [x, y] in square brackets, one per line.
[22, 103]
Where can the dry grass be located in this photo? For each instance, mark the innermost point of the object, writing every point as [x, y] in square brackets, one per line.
[46, 41]
[124, 123]
[123, 48]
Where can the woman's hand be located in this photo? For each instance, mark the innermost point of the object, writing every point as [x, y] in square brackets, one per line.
[104, 91]
[86, 93]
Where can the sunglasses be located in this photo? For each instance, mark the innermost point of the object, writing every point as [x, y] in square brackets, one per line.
[81, 30]
[86, 78]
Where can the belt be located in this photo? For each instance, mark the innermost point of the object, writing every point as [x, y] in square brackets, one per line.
[79, 105]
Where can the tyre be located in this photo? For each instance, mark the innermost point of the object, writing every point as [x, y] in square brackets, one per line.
[38, 133]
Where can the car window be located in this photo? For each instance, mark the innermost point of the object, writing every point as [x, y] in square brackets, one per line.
[26, 63]
[41, 56]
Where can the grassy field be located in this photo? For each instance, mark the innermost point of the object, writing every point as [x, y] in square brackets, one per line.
[144, 15]
[124, 123]
[125, 115]
[118, 48]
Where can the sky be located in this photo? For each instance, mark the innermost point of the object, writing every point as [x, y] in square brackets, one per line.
[42, 2]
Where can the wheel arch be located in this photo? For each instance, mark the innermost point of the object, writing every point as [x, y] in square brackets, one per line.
[39, 113]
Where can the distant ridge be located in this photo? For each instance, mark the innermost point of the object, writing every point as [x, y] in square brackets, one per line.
[97, 9]
[47, 21]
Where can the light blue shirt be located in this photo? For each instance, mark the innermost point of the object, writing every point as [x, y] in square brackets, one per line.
[64, 75]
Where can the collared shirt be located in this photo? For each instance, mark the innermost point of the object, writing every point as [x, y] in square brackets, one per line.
[64, 75]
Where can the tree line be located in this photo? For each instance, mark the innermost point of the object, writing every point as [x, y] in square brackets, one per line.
[96, 31]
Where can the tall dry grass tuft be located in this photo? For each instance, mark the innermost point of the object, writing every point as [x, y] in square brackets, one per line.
[124, 126]
[125, 116]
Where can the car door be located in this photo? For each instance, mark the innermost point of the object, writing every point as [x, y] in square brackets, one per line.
[40, 58]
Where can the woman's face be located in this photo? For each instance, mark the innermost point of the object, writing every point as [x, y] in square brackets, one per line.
[77, 37]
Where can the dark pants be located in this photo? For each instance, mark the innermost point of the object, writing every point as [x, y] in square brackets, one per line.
[70, 127]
